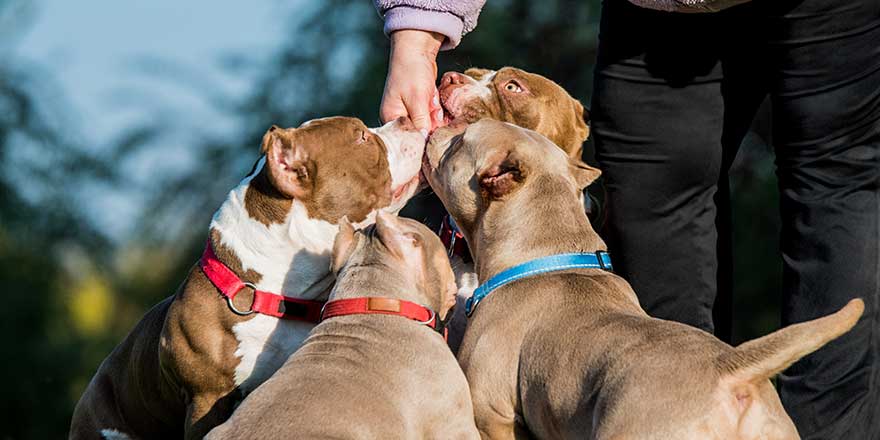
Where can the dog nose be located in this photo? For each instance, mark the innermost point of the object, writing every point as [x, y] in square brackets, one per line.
[450, 78]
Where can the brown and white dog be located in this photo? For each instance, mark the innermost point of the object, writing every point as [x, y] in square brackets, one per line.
[184, 367]
[571, 354]
[521, 98]
[364, 373]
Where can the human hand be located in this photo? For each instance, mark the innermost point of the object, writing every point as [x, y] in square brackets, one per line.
[410, 88]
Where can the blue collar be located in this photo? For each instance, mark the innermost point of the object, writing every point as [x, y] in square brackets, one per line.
[553, 263]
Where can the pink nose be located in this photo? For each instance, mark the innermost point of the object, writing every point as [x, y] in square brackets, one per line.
[450, 78]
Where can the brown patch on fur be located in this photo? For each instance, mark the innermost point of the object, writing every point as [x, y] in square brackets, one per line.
[245, 297]
[347, 170]
[263, 202]
[194, 348]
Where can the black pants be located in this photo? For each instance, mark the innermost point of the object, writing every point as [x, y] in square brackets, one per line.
[674, 95]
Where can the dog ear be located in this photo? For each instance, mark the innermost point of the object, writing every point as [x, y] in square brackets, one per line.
[289, 167]
[402, 243]
[583, 174]
[580, 126]
[476, 72]
[500, 175]
[269, 138]
[343, 246]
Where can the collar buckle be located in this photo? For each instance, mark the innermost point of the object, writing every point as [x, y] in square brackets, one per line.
[470, 305]
[367, 305]
[604, 260]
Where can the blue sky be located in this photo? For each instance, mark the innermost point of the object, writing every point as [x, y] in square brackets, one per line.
[115, 62]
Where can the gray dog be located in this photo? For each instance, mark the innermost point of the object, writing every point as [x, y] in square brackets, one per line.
[571, 354]
[368, 375]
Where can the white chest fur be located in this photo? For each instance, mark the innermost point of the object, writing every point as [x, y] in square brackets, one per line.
[264, 343]
[291, 257]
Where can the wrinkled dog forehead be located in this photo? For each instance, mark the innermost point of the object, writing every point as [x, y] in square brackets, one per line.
[331, 134]
[491, 134]
[486, 76]
[537, 84]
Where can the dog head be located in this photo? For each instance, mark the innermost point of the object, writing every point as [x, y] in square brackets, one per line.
[519, 97]
[336, 167]
[411, 261]
[478, 167]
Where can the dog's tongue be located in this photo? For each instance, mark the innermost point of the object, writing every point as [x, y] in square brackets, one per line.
[404, 186]
[399, 191]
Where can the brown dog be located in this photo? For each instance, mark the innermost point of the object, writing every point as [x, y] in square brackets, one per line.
[183, 368]
[570, 354]
[513, 95]
[521, 98]
[370, 375]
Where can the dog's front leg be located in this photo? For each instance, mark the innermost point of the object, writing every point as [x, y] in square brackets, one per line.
[208, 410]
[496, 426]
[494, 398]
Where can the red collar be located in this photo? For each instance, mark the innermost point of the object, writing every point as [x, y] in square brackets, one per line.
[266, 303]
[453, 240]
[385, 306]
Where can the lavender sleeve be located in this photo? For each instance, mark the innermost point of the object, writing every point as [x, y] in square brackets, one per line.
[452, 18]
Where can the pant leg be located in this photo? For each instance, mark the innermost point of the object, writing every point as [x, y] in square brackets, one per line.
[826, 111]
[666, 124]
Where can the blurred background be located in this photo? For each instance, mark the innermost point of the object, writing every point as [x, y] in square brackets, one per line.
[124, 124]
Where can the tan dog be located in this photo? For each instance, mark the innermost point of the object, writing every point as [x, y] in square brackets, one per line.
[183, 368]
[571, 354]
[370, 376]
[522, 98]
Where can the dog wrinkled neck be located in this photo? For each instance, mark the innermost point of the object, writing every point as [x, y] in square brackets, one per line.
[555, 222]
[373, 278]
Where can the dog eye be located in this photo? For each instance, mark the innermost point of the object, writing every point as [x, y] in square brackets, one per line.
[512, 86]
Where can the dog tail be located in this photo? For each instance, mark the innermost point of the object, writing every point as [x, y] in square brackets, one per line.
[765, 357]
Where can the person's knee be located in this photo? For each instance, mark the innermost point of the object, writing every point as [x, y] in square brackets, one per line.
[672, 164]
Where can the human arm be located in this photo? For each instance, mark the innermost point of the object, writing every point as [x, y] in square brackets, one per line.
[418, 30]
[450, 18]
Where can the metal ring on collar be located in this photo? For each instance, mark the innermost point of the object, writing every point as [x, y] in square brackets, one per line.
[433, 315]
[470, 305]
[239, 312]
